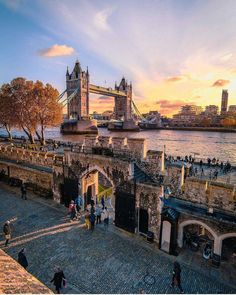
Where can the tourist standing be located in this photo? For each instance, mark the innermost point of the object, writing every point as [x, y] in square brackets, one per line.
[23, 191]
[7, 232]
[92, 220]
[58, 279]
[98, 214]
[176, 277]
[103, 202]
[106, 217]
[22, 258]
[87, 219]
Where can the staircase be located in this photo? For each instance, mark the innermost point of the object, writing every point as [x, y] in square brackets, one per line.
[141, 176]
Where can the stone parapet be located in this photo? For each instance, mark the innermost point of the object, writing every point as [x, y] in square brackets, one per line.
[15, 279]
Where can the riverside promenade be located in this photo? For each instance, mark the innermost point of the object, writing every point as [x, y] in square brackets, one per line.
[102, 261]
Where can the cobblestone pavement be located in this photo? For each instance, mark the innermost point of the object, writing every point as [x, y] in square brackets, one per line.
[103, 261]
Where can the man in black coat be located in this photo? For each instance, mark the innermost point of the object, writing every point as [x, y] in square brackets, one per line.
[23, 191]
[7, 232]
[58, 279]
[22, 258]
[176, 279]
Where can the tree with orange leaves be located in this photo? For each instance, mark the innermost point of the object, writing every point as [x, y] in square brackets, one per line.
[30, 106]
[228, 122]
[47, 109]
[6, 107]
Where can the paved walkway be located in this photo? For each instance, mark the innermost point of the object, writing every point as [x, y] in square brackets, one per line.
[105, 261]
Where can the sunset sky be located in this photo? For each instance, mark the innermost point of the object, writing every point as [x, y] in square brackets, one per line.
[174, 52]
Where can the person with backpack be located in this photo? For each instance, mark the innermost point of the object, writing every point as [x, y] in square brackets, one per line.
[7, 232]
[22, 258]
[59, 279]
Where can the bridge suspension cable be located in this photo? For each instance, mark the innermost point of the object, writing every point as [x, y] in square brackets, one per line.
[61, 95]
[69, 98]
[136, 110]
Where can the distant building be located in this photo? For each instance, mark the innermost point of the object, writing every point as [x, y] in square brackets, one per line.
[232, 110]
[188, 116]
[107, 115]
[191, 110]
[211, 110]
[224, 102]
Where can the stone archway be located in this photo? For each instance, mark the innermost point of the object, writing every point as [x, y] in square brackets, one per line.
[86, 184]
[218, 248]
[198, 222]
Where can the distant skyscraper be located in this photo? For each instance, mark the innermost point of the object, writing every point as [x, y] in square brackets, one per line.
[224, 101]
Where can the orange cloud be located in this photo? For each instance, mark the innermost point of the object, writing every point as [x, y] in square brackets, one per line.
[220, 83]
[57, 50]
[174, 79]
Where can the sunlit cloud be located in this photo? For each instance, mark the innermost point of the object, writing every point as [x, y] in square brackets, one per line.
[226, 57]
[57, 50]
[174, 79]
[220, 83]
[101, 19]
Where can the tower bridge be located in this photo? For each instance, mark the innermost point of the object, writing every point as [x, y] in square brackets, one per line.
[78, 88]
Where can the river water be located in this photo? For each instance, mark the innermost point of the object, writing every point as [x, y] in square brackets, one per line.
[177, 143]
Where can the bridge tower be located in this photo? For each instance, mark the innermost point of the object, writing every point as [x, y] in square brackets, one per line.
[123, 104]
[78, 107]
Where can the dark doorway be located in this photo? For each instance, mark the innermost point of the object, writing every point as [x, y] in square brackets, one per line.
[143, 221]
[69, 191]
[125, 207]
[88, 195]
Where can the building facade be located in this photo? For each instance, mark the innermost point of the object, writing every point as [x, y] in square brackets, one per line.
[224, 102]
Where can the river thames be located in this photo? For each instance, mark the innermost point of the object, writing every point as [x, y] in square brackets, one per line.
[177, 143]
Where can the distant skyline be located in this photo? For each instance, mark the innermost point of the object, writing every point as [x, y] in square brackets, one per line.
[175, 52]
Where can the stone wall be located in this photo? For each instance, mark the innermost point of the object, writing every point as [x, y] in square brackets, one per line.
[34, 178]
[212, 194]
[16, 280]
[147, 197]
[21, 155]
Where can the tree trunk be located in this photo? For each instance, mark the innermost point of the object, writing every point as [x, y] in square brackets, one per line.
[38, 135]
[8, 131]
[42, 136]
[29, 134]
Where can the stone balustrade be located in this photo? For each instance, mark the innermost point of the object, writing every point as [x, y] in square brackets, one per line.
[41, 158]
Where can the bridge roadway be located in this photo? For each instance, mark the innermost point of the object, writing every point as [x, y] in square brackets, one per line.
[106, 91]
[109, 261]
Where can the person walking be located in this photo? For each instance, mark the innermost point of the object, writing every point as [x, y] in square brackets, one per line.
[106, 217]
[59, 279]
[7, 232]
[176, 277]
[87, 219]
[23, 191]
[98, 214]
[22, 258]
[72, 210]
[78, 203]
[92, 220]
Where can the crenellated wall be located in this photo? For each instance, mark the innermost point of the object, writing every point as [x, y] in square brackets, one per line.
[216, 195]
